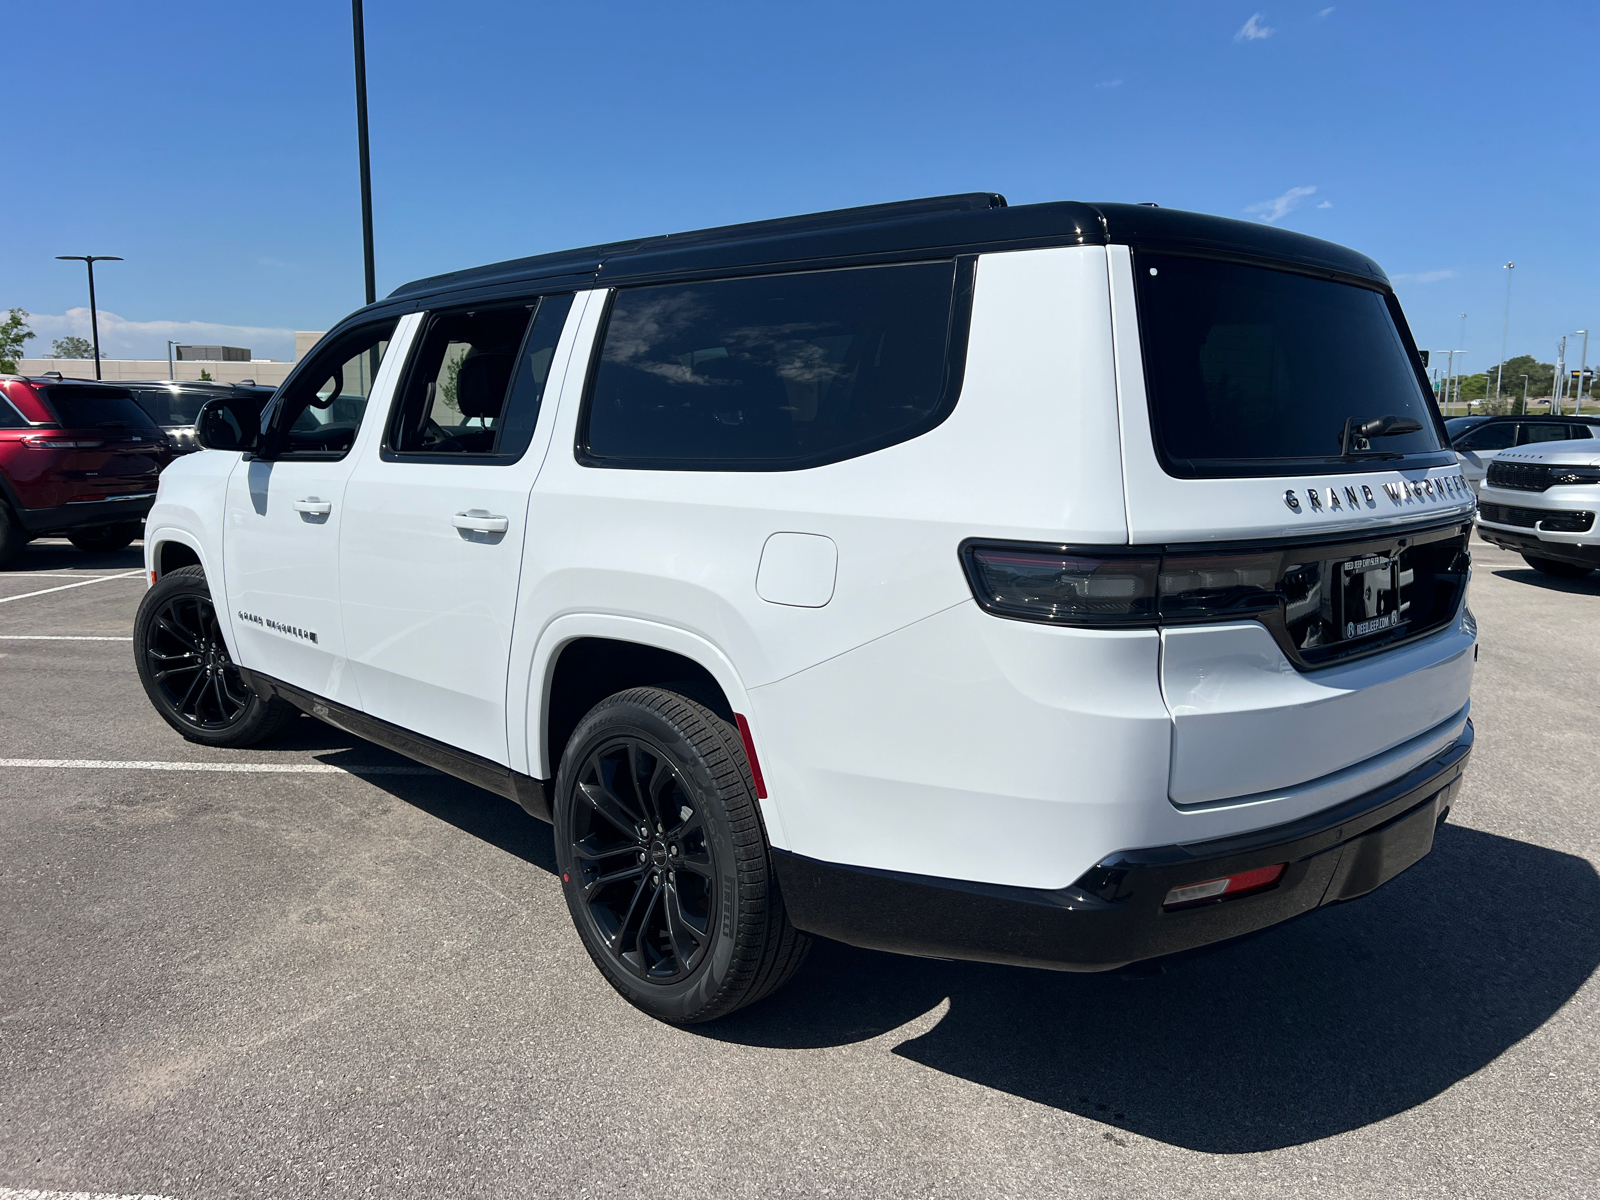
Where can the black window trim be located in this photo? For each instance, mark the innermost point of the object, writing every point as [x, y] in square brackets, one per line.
[386, 450]
[327, 346]
[958, 328]
[1275, 468]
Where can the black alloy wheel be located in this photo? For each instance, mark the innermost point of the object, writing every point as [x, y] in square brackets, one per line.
[189, 663]
[664, 859]
[187, 672]
[646, 868]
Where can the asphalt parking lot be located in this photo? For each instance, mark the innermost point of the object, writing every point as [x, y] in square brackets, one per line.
[342, 975]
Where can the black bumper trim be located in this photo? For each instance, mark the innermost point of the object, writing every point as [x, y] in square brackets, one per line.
[1527, 543]
[1113, 915]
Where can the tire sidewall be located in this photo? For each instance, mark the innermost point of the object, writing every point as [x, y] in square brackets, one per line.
[678, 1001]
[182, 582]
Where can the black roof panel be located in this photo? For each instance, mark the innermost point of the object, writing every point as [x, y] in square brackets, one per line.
[969, 223]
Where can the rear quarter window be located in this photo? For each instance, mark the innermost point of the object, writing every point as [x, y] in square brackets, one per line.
[776, 372]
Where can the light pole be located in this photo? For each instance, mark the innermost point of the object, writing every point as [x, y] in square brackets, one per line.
[1558, 385]
[1504, 329]
[1524, 395]
[1583, 365]
[359, 27]
[94, 317]
[170, 345]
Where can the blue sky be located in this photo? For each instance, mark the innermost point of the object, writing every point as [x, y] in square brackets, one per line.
[213, 145]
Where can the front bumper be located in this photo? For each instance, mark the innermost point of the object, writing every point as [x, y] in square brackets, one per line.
[1522, 542]
[1114, 914]
[64, 518]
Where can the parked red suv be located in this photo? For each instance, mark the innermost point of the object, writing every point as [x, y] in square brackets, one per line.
[77, 460]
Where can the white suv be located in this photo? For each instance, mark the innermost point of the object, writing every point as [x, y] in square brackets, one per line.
[1065, 585]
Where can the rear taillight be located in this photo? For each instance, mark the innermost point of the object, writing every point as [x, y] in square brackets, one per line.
[55, 443]
[1118, 589]
[1226, 887]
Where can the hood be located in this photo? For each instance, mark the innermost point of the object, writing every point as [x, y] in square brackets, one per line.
[1581, 452]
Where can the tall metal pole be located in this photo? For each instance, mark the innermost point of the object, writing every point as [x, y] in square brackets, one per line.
[361, 138]
[94, 315]
[1504, 329]
[1583, 366]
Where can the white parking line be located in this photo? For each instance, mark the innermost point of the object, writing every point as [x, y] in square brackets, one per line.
[64, 587]
[58, 637]
[95, 764]
[30, 1194]
[58, 573]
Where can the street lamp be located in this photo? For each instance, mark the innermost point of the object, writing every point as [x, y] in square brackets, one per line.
[359, 29]
[94, 317]
[1504, 328]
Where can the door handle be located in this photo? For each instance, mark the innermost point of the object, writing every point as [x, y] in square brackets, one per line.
[317, 508]
[480, 520]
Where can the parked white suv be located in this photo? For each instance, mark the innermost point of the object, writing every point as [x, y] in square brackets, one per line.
[1065, 585]
[1541, 502]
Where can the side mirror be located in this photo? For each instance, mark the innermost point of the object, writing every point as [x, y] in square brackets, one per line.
[229, 423]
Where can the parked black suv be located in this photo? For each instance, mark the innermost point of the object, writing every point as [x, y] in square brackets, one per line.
[174, 403]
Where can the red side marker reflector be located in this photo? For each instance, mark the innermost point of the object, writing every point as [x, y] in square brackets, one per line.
[750, 753]
[1245, 881]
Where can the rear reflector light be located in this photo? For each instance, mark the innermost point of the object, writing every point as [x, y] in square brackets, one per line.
[1229, 885]
[750, 753]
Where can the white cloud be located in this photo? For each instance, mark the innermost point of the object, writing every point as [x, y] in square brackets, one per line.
[120, 338]
[1326, 204]
[1424, 277]
[1253, 30]
[1109, 83]
[1280, 206]
[1324, 13]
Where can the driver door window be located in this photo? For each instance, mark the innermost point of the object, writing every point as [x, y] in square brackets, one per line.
[319, 414]
[1488, 437]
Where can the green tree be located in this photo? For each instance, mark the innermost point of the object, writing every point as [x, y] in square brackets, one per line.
[13, 332]
[71, 346]
[205, 375]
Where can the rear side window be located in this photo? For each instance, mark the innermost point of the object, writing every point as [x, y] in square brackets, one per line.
[777, 372]
[96, 408]
[1552, 433]
[1253, 371]
[1488, 437]
[477, 382]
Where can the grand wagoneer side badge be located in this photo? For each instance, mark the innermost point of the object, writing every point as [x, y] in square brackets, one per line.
[1446, 488]
[294, 631]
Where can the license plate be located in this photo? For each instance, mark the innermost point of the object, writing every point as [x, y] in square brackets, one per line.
[1370, 594]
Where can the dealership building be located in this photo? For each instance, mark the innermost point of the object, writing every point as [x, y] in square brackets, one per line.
[225, 364]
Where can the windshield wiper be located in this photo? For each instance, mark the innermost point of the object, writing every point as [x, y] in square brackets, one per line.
[1355, 442]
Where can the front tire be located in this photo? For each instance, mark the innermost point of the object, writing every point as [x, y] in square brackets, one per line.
[664, 860]
[1557, 569]
[184, 665]
[104, 539]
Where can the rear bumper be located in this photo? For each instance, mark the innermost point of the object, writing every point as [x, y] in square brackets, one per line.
[1540, 547]
[40, 522]
[1114, 915]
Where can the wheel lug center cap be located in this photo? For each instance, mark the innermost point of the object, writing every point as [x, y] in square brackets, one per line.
[658, 853]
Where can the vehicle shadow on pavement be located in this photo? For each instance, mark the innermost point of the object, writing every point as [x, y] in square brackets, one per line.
[1576, 587]
[484, 815]
[62, 555]
[1345, 1017]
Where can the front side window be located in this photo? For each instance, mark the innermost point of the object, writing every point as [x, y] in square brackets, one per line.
[319, 413]
[477, 382]
[776, 372]
[1501, 436]
[1255, 371]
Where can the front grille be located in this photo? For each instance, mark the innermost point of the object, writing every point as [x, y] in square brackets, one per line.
[1521, 477]
[1537, 518]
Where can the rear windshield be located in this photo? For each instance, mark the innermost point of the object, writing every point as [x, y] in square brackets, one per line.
[169, 406]
[1253, 371]
[97, 408]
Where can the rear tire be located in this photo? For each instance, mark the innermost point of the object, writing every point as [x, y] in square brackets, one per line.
[105, 538]
[664, 861]
[1557, 569]
[13, 537]
[184, 665]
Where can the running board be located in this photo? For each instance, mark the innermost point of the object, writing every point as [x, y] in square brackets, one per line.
[528, 792]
